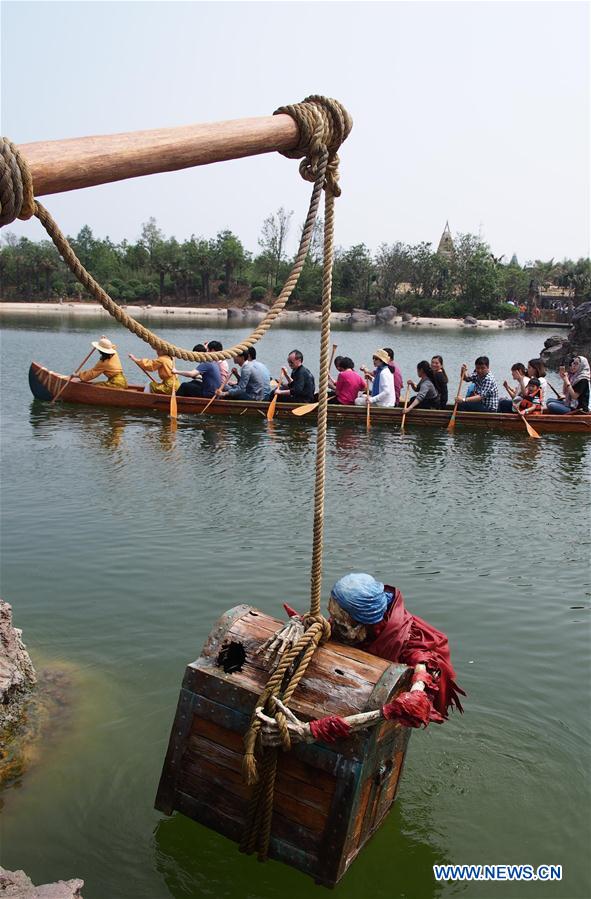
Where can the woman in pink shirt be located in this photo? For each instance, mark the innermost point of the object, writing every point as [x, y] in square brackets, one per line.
[349, 382]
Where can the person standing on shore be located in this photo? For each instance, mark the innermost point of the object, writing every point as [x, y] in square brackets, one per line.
[486, 393]
[108, 365]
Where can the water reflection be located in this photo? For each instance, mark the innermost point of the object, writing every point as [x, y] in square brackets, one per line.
[195, 861]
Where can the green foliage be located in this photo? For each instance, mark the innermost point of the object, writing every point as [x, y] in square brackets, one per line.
[156, 268]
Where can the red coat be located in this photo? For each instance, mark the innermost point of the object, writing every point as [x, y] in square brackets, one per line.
[402, 637]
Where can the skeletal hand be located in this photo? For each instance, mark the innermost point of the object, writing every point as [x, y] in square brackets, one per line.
[299, 732]
[281, 641]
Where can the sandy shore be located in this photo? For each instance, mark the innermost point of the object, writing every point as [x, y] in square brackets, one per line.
[143, 313]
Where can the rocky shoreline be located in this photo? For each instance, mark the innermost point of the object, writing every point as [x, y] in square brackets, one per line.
[361, 318]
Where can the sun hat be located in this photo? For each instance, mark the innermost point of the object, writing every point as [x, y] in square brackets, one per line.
[104, 345]
[382, 356]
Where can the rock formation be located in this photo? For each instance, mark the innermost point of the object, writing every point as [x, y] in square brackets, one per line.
[17, 885]
[557, 350]
[17, 675]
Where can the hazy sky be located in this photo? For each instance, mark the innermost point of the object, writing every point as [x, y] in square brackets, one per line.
[473, 112]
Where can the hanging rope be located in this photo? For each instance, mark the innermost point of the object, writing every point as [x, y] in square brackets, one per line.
[323, 125]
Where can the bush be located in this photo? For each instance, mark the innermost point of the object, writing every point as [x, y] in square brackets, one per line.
[343, 304]
[446, 309]
[222, 289]
[504, 310]
[258, 292]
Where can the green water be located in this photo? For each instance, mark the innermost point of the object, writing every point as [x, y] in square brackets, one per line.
[122, 544]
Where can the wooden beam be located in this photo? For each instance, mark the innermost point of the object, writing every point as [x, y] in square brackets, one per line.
[62, 165]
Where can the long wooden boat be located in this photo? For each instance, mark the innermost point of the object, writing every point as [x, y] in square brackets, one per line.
[45, 384]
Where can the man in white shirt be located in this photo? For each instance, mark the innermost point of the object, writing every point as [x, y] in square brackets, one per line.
[382, 391]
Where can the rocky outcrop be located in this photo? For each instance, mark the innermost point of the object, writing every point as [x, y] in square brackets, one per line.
[259, 307]
[407, 317]
[386, 314]
[17, 675]
[361, 317]
[557, 350]
[470, 320]
[17, 885]
[514, 322]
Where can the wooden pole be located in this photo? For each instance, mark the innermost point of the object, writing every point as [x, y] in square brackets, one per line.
[62, 165]
[73, 375]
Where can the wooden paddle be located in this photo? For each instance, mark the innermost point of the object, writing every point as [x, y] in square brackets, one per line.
[173, 405]
[368, 409]
[143, 369]
[73, 375]
[406, 396]
[273, 403]
[531, 431]
[216, 396]
[452, 422]
[309, 407]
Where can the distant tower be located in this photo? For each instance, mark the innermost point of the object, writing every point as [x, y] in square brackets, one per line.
[514, 261]
[446, 244]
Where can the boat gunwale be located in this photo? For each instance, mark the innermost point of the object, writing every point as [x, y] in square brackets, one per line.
[230, 408]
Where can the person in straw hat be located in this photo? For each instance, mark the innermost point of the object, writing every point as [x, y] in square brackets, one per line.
[382, 390]
[109, 365]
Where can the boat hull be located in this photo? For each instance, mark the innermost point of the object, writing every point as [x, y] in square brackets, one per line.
[45, 384]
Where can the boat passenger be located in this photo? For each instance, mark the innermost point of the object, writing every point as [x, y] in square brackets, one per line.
[251, 382]
[372, 616]
[300, 388]
[575, 384]
[520, 375]
[531, 402]
[485, 397]
[205, 377]
[349, 382]
[214, 346]
[427, 394]
[163, 365]
[396, 373]
[265, 373]
[109, 365]
[382, 390]
[537, 369]
[440, 379]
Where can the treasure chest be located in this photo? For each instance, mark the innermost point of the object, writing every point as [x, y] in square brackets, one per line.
[329, 799]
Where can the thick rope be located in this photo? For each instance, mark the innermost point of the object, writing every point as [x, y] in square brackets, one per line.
[323, 125]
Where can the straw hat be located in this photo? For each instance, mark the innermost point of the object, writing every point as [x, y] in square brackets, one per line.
[382, 356]
[104, 345]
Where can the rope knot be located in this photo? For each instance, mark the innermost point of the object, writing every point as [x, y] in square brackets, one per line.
[322, 625]
[323, 124]
[16, 184]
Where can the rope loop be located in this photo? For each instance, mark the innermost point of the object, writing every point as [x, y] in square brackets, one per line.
[322, 623]
[323, 124]
[16, 184]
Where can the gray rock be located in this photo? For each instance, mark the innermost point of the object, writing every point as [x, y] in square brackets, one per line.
[360, 317]
[386, 314]
[259, 307]
[470, 320]
[555, 355]
[17, 885]
[17, 675]
[554, 340]
[514, 323]
[407, 317]
[235, 313]
[578, 342]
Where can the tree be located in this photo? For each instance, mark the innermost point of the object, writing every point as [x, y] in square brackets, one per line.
[231, 255]
[353, 273]
[393, 263]
[273, 240]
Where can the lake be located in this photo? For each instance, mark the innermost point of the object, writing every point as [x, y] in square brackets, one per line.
[122, 544]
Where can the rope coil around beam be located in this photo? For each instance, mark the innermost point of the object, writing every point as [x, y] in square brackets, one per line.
[323, 125]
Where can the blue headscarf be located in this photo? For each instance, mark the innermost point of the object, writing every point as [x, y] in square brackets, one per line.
[362, 597]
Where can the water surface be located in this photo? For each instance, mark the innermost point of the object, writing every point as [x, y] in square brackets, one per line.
[122, 544]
